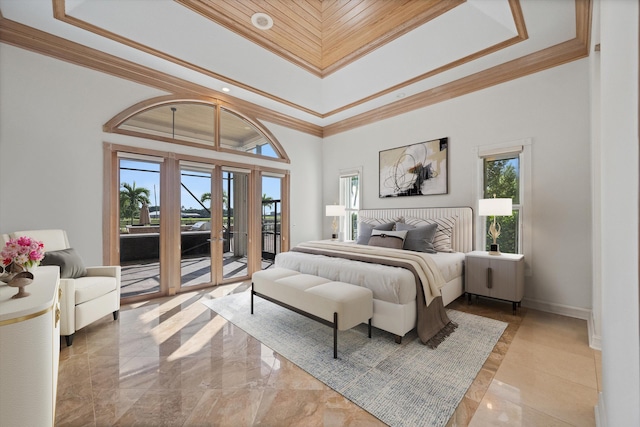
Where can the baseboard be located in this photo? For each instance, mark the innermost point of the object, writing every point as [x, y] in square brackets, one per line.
[601, 419]
[564, 310]
[595, 341]
[569, 311]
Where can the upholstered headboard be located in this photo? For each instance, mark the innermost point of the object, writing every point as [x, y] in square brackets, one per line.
[462, 238]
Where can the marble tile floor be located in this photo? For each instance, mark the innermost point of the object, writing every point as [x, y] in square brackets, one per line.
[173, 362]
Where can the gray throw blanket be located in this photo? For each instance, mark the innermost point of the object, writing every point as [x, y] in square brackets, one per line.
[433, 323]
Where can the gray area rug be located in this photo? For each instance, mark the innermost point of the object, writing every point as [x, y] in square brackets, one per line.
[402, 385]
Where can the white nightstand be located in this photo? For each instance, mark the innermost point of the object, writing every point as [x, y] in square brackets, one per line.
[495, 276]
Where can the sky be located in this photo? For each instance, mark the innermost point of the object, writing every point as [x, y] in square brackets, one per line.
[147, 176]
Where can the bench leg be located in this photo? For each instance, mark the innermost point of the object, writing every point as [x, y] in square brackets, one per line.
[369, 328]
[335, 335]
[251, 297]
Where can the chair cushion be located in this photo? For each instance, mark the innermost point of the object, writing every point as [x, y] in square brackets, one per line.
[91, 287]
[69, 261]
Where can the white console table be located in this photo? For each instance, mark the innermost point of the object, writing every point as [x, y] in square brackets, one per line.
[30, 351]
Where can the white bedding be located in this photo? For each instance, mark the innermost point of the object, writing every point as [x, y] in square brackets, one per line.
[391, 284]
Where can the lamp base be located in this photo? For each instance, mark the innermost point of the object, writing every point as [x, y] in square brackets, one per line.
[494, 249]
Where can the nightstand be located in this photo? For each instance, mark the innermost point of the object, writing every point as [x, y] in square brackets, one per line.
[495, 276]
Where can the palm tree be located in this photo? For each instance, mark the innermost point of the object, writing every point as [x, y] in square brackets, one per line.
[131, 197]
[207, 196]
[267, 201]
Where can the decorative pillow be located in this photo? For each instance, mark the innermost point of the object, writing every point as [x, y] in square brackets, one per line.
[419, 239]
[378, 221]
[70, 263]
[387, 239]
[442, 239]
[364, 231]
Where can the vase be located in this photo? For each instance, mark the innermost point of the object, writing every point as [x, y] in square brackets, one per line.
[8, 273]
[20, 280]
[17, 276]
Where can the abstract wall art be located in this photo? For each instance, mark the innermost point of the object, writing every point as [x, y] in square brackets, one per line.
[415, 170]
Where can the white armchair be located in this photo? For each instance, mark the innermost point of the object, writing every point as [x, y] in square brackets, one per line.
[84, 299]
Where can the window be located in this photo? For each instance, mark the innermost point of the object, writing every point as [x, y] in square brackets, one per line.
[207, 229]
[202, 123]
[502, 180]
[505, 170]
[238, 134]
[350, 198]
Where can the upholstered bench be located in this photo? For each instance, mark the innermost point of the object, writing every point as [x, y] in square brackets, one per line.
[337, 304]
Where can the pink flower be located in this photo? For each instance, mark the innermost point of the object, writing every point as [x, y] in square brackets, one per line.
[24, 251]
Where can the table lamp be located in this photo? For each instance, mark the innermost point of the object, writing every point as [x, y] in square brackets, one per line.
[495, 207]
[335, 211]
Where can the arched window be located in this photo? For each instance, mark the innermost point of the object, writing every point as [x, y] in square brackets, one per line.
[200, 123]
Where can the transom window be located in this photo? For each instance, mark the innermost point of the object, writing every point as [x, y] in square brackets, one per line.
[199, 123]
[179, 121]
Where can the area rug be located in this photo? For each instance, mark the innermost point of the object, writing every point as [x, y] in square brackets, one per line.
[402, 385]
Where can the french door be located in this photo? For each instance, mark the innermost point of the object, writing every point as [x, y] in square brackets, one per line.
[139, 232]
[196, 224]
[179, 225]
[215, 212]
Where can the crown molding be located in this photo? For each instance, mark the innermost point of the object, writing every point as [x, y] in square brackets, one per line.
[29, 38]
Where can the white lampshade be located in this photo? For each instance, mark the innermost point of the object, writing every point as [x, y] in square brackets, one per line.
[495, 207]
[334, 210]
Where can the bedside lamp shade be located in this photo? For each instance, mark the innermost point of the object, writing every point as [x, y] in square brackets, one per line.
[335, 211]
[495, 207]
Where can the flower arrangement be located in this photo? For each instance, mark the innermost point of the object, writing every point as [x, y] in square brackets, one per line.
[23, 251]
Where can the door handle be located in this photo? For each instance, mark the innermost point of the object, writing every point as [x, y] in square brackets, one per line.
[489, 278]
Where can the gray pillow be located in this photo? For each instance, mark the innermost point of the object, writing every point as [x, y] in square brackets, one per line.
[70, 263]
[442, 239]
[364, 231]
[419, 239]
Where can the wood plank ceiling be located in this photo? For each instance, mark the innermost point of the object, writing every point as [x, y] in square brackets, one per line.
[322, 36]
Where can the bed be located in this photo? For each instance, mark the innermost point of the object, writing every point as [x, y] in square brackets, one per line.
[395, 289]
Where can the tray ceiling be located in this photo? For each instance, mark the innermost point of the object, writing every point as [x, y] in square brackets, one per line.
[322, 36]
[324, 66]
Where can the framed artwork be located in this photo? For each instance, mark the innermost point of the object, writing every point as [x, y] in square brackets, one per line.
[415, 170]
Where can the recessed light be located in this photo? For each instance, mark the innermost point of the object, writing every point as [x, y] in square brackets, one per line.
[401, 95]
[226, 89]
[261, 21]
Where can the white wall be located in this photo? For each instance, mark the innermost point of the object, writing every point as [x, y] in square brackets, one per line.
[551, 108]
[619, 192]
[307, 211]
[51, 117]
[595, 322]
[51, 171]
